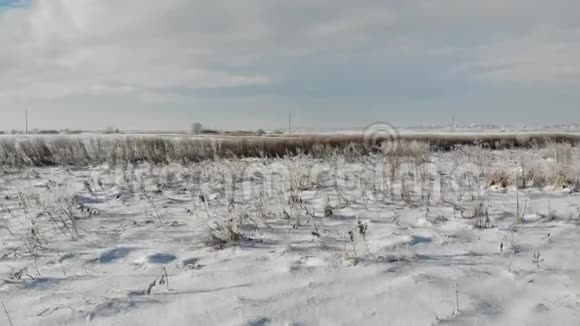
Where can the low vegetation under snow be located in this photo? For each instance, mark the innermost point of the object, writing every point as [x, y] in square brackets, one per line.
[393, 236]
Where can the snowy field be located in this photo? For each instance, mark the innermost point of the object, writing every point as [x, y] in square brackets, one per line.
[467, 237]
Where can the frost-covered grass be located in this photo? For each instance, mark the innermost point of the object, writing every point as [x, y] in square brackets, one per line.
[399, 236]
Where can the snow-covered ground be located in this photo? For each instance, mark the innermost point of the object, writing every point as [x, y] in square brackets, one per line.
[345, 240]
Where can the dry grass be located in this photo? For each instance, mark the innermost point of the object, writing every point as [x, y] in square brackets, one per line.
[159, 150]
[561, 153]
[563, 176]
[535, 177]
[500, 178]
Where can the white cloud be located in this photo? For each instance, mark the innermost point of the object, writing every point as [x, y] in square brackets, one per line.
[548, 56]
[62, 47]
[59, 48]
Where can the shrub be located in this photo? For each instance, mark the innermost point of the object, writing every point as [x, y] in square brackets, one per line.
[500, 178]
[535, 177]
[209, 132]
[48, 132]
[72, 132]
[563, 176]
[559, 152]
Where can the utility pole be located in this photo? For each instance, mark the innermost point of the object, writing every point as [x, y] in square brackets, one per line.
[453, 122]
[26, 120]
[290, 123]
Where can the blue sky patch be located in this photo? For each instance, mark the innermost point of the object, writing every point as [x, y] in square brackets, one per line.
[5, 4]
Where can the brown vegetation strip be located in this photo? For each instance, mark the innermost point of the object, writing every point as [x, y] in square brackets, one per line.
[72, 150]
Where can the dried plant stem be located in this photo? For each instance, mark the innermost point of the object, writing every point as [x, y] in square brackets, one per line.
[6, 312]
[166, 278]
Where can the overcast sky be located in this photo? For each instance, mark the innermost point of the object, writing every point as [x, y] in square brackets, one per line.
[164, 64]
